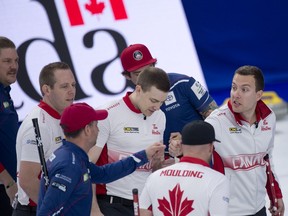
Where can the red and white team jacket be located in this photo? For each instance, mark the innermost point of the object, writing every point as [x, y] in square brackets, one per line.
[242, 149]
[189, 188]
[26, 147]
[124, 132]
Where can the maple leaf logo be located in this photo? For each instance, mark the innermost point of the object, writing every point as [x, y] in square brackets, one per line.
[176, 207]
[94, 7]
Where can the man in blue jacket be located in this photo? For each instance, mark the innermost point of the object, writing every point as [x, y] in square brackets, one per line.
[70, 173]
[8, 125]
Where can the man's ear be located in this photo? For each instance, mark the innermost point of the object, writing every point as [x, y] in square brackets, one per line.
[211, 148]
[127, 76]
[259, 95]
[138, 89]
[87, 129]
[45, 89]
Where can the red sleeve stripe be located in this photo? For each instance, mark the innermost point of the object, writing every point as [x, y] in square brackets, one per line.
[1, 168]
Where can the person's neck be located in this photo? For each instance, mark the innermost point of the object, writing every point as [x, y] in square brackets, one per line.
[78, 141]
[199, 155]
[133, 99]
[5, 85]
[198, 152]
[45, 100]
[249, 117]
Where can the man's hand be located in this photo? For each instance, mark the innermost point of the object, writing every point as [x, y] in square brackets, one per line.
[175, 136]
[175, 144]
[11, 192]
[280, 210]
[10, 185]
[155, 151]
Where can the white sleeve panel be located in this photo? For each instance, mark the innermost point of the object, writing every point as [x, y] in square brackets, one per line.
[218, 205]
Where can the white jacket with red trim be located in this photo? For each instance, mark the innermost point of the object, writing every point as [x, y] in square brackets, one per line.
[242, 149]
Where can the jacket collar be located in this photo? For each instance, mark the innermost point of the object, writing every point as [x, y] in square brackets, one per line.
[49, 110]
[262, 111]
[129, 104]
[194, 160]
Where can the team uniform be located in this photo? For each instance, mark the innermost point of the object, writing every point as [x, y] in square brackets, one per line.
[26, 147]
[242, 149]
[185, 100]
[70, 174]
[186, 188]
[126, 131]
[8, 133]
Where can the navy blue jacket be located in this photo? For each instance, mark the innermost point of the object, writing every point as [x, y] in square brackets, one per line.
[185, 100]
[71, 174]
[8, 131]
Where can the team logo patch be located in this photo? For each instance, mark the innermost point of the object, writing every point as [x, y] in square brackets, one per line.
[31, 142]
[174, 106]
[155, 130]
[58, 139]
[198, 90]
[137, 55]
[235, 130]
[60, 186]
[225, 199]
[113, 106]
[52, 157]
[65, 178]
[85, 177]
[6, 104]
[170, 98]
[266, 128]
[167, 204]
[131, 130]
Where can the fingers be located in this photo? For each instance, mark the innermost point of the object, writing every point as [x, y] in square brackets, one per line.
[278, 212]
[11, 192]
[175, 136]
[281, 208]
[175, 148]
[155, 151]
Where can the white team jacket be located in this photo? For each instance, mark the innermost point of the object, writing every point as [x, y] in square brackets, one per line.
[242, 149]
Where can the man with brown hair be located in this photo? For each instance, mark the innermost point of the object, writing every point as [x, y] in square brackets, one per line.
[187, 99]
[8, 125]
[133, 123]
[246, 127]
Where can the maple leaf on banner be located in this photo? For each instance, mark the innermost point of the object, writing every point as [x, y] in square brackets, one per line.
[94, 7]
[176, 207]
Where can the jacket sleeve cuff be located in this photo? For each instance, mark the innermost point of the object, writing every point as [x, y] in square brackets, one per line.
[140, 158]
[277, 189]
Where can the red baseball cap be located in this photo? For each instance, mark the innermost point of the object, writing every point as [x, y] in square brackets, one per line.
[136, 56]
[78, 115]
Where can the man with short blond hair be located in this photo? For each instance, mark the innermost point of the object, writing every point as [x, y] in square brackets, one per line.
[57, 85]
